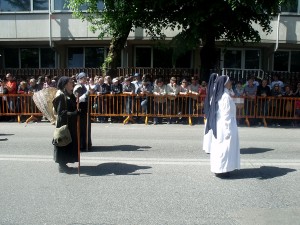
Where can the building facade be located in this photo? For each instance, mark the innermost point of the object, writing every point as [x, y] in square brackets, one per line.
[43, 34]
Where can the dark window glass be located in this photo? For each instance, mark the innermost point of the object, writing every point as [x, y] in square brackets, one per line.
[184, 61]
[232, 59]
[75, 57]
[162, 58]
[143, 57]
[47, 58]
[295, 59]
[60, 5]
[40, 4]
[252, 58]
[29, 57]
[94, 57]
[14, 6]
[281, 60]
[289, 6]
[11, 58]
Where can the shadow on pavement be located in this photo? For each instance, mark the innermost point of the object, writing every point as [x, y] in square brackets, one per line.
[105, 169]
[262, 173]
[119, 148]
[255, 150]
[6, 134]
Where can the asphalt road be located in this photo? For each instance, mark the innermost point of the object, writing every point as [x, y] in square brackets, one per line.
[148, 175]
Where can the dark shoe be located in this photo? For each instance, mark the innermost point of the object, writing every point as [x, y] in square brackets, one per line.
[62, 167]
[223, 175]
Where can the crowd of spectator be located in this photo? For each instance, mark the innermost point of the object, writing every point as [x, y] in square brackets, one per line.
[244, 93]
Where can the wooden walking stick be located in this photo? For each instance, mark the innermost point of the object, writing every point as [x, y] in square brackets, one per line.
[78, 135]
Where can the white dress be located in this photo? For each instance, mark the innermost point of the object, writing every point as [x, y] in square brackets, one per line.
[225, 149]
[207, 140]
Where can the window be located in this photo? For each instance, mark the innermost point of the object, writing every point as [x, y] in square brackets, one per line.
[290, 6]
[11, 58]
[252, 58]
[143, 56]
[40, 4]
[75, 57]
[295, 59]
[15, 6]
[29, 57]
[184, 61]
[94, 57]
[47, 58]
[162, 58]
[60, 5]
[233, 59]
[281, 60]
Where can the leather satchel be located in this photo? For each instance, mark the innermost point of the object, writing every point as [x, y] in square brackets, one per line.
[62, 136]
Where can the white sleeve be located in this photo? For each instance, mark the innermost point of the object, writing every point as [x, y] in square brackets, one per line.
[225, 114]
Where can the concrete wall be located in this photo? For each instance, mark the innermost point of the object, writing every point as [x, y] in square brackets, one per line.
[36, 27]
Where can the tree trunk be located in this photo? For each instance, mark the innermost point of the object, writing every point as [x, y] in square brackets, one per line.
[209, 56]
[117, 43]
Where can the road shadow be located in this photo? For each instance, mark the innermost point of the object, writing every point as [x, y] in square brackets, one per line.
[6, 134]
[119, 148]
[3, 139]
[111, 169]
[255, 150]
[262, 173]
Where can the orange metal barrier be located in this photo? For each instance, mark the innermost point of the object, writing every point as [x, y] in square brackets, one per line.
[18, 105]
[146, 106]
[127, 107]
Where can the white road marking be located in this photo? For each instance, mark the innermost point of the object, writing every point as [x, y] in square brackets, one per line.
[153, 161]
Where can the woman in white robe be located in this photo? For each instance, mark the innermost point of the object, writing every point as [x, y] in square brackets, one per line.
[225, 148]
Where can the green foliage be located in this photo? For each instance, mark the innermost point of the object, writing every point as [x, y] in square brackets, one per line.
[198, 21]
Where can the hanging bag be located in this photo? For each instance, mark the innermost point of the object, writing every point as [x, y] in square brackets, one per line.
[62, 136]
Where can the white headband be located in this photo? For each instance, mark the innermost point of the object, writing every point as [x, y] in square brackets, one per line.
[226, 80]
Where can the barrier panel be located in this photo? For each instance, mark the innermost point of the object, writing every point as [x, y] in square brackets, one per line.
[127, 108]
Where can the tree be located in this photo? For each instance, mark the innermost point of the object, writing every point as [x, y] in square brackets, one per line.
[199, 22]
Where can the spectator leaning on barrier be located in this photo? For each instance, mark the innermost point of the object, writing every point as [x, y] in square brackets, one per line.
[195, 99]
[275, 104]
[263, 91]
[297, 104]
[184, 101]
[172, 90]
[144, 90]
[159, 91]
[277, 81]
[116, 88]
[100, 104]
[11, 87]
[250, 96]
[288, 104]
[128, 89]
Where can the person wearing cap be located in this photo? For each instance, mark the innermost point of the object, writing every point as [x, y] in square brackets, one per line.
[144, 91]
[221, 120]
[275, 104]
[172, 90]
[184, 101]
[115, 102]
[250, 92]
[101, 89]
[137, 82]
[129, 90]
[82, 93]
[65, 108]
[159, 92]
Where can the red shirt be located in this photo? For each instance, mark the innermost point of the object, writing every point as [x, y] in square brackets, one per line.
[12, 87]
